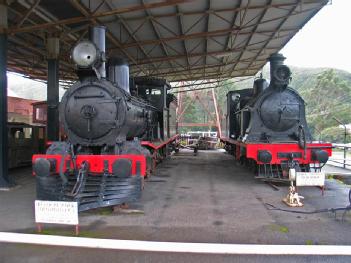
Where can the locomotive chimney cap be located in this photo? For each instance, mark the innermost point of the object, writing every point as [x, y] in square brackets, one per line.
[276, 57]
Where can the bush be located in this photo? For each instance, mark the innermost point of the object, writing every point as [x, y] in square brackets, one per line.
[334, 134]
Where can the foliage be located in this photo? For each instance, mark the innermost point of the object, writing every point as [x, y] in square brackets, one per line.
[221, 94]
[334, 134]
[328, 99]
[194, 113]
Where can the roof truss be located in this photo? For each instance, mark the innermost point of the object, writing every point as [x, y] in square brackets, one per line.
[179, 40]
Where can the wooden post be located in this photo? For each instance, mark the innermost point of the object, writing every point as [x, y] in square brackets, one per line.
[77, 230]
[39, 227]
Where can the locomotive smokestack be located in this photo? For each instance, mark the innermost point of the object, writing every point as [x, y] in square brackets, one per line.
[275, 60]
[97, 36]
[280, 73]
[118, 72]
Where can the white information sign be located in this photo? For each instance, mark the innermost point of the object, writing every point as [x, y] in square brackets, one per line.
[54, 212]
[310, 179]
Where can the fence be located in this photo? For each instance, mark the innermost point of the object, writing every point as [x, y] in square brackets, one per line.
[341, 158]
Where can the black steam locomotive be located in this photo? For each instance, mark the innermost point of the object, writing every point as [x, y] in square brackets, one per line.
[112, 123]
[267, 129]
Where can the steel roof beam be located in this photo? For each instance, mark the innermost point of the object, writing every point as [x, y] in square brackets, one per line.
[278, 30]
[285, 17]
[43, 15]
[27, 14]
[209, 75]
[213, 74]
[202, 83]
[76, 20]
[158, 35]
[230, 35]
[40, 53]
[213, 87]
[281, 5]
[188, 61]
[132, 34]
[114, 40]
[221, 32]
[212, 53]
[206, 39]
[164, 73]
[180, 19]
[271, 37]
[251, 35]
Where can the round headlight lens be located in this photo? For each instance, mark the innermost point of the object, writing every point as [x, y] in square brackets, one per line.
[282, 73]
[235, 96]
[85, 54]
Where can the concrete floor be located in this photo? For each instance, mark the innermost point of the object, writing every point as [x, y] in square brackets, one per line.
[204, 198]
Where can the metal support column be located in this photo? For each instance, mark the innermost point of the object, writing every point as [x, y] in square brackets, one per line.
[5, 181]
[218, 121]
[345, 136]
[345, 148]
[53, 126]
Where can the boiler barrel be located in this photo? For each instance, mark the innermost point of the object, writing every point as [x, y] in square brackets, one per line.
[98, 113]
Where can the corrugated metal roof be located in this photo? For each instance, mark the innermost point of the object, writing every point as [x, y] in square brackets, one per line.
[174, 39]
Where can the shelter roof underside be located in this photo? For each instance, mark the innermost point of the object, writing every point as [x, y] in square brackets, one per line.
[175, 39]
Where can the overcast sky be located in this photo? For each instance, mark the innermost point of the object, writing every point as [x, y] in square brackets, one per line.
[325, 41]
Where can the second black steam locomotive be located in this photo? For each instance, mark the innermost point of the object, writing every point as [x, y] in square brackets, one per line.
[266, 126]
[112, 123]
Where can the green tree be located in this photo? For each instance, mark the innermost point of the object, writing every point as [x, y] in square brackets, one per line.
[194, 113]
[330, 98]
[221, 94]
[334, 134]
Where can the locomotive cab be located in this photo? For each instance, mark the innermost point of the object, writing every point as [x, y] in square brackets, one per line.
[155, 91]
[238, 109]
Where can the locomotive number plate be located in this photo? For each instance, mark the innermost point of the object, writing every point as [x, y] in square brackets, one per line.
[310, 179]
[55, 212]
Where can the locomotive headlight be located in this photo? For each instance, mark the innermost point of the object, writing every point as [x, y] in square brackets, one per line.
[320, 156]
[264, 156]
[85, 54]
[235, 97]
[282, 73]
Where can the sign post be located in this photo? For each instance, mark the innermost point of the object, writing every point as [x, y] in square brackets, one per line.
[302, 179]
[310, 179]
[56, 212]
